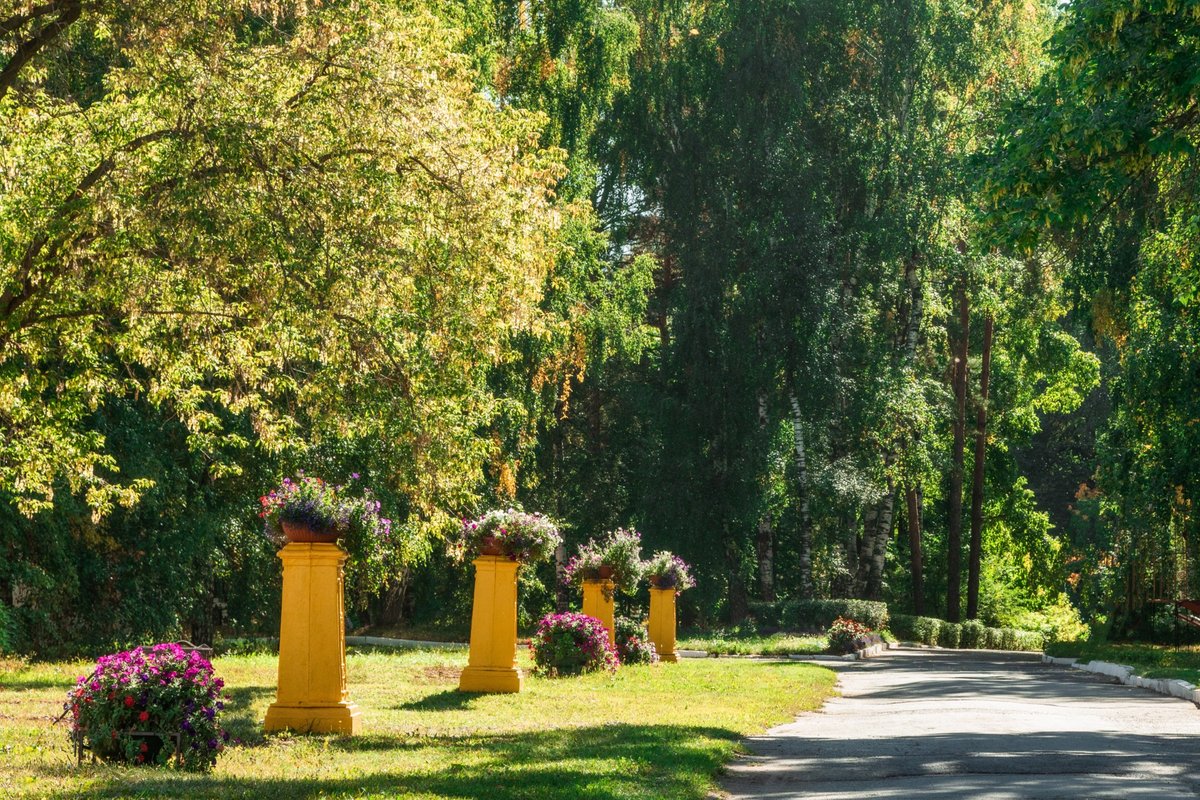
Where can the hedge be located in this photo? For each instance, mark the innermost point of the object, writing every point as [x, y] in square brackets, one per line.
[819, 614]
[8, 627]
[970, 635]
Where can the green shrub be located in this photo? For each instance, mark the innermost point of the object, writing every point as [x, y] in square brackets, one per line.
[970, 634]
[973, 634]
[949, 634]
[814, 615]
[8, 625]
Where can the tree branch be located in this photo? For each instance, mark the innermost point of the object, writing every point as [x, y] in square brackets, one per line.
[71, 11]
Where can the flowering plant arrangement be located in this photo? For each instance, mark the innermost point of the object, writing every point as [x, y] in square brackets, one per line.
[135, 703]
[347, 511]
[618, 553]
[846, 635]
[571, 644]
[667, 570]
[633, 642]
[520, 535]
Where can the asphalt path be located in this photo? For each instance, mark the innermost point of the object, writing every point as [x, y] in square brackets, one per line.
[938, 724]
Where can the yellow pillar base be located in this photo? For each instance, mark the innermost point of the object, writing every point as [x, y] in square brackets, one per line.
[492, 666]
[662, 623]
[493, 680]
[312, 696]
[346, 719]
[598, 602]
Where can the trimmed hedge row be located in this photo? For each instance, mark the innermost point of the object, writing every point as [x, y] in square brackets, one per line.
[819, 614]
[970, 635]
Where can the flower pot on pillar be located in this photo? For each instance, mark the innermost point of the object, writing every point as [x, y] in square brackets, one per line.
[492, 666]
[312, 697]
[598, 603]
[662, 623]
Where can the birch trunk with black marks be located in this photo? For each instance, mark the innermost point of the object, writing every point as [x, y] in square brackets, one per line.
[805, 533]
[764, 542]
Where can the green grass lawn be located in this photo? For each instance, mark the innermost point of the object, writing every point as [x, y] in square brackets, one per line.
[660, 732]
[732, 643]
[1148, 660]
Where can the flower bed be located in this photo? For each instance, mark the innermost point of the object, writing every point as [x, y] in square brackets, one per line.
[618, 553]
[668, 571]
[155, 705]
[849, 636]
[345, 512]
[571, 644]
[520, 535]
[633, 642]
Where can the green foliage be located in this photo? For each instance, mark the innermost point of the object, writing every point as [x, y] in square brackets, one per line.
[8, 625]
[633, 642]
[939, 633]
[973, 635]
[817, 615]
[949, 635]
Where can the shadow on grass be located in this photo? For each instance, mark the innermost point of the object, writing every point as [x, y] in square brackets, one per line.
[240, 718]
[449, 700]
[603, 762]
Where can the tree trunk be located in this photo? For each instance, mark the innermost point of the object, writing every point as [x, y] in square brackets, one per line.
[766, 558]
[562, 592]
[954, 524]
[914, 548]
[866, 545]
[805, 544]
[764, 543]
[882, 535]
[981, 419]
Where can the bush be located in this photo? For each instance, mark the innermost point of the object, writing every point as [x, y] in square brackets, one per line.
[971, 634]
[157, 690]
[633, 642]
[949, 634]
[8, 626]
[924, 630]
[818, 615]
[847, 636]
[571, 644]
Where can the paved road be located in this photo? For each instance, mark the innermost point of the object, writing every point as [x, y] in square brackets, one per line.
[936, 725]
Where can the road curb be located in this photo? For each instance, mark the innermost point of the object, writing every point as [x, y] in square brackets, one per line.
[1171, 687]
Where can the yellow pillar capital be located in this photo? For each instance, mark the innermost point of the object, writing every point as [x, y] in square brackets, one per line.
[312, 696]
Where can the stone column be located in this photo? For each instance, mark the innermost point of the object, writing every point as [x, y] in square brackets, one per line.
[493, 661]
[312, 696]
[598, 603]
[662, 623]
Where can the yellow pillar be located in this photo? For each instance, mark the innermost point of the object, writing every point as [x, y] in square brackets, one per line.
[598, 603]
[312, 696]
[662, 623]
[492, 666]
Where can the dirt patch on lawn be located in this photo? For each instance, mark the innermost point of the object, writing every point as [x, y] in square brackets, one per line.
[441, 673]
